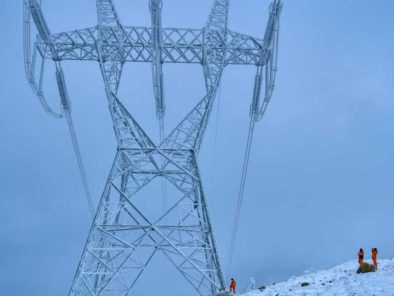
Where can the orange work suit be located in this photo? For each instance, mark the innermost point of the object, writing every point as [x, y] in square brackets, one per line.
[232, 286]
[360, 257]
[374, 258]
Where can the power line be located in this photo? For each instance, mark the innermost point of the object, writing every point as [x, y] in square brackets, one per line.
[65, 102]
[241, 190]
[81, 166]
[216, 135]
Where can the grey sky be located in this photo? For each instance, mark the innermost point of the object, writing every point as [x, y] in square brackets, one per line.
[320, 183]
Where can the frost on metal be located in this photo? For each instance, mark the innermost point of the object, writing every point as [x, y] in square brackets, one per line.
[123, 239]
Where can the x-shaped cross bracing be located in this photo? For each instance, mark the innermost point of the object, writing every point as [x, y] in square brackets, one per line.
[123, 239]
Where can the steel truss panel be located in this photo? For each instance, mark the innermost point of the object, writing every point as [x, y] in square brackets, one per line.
[178, 45]
[123, 239]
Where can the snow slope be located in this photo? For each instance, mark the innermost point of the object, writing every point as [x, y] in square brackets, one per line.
[341, 280]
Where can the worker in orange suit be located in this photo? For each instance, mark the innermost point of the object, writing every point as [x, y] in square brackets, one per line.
[374, 257]
[233, 284]
[360, 256]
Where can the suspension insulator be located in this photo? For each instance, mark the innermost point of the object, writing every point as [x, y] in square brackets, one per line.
[61, 83]
[254, 107]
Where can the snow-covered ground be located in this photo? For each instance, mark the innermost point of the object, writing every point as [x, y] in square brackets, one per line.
[341, 280]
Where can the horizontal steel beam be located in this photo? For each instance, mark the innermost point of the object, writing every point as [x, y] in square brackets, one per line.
[136, 44]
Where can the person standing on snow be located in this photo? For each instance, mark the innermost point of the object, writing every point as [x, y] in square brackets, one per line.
[374, 257]
[360, 256]
[233, 284]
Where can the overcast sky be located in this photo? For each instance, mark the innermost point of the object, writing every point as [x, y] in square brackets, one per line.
[320, 182]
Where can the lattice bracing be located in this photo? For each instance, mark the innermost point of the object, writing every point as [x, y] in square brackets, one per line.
[178, 46]
[124, 239]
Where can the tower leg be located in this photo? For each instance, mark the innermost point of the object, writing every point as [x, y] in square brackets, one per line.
[123, 240]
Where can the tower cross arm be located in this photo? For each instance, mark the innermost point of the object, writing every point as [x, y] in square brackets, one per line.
[244, 49]
[179, 45]
[72, 45]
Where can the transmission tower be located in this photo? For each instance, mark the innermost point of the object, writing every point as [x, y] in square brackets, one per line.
[123, 239]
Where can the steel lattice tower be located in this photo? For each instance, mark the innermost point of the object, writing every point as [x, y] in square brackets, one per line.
[123, 239]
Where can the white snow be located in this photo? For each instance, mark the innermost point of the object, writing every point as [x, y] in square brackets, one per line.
[341, 280]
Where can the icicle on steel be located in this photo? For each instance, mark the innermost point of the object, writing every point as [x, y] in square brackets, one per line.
[257, 110]
[66, 105]
[32, 9]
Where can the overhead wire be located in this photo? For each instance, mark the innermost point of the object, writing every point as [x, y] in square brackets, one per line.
[66, 106]
[38, 86]
[257, 114]
[241, 190]
[216, 135]
[30, 62]
[81, 166]
[155, 7]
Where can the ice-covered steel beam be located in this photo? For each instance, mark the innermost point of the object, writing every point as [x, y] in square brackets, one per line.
[39, 20]
[178, 46]
[107, 14]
